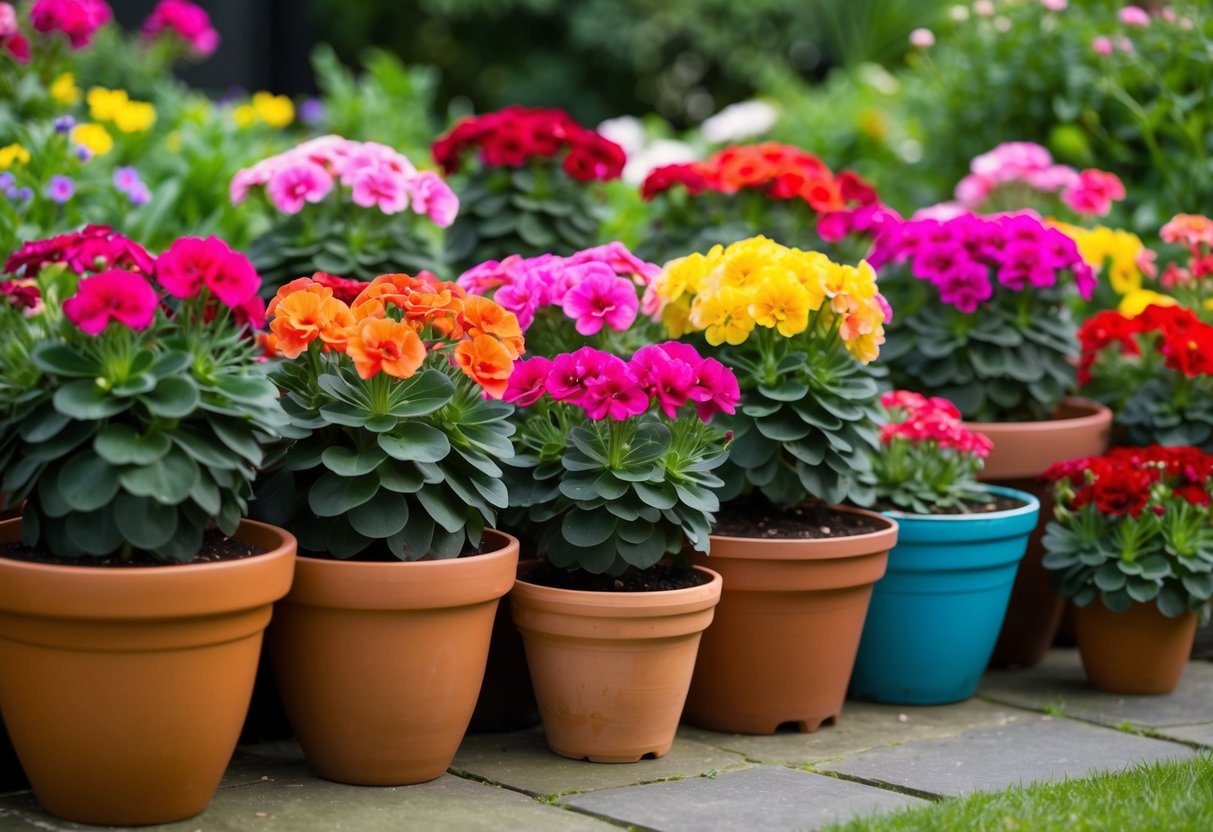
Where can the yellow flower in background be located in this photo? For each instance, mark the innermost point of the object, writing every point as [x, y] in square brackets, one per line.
[677, 318]
[724, 316]
[274, 110]
[1134, 303]
[104, 104]
[64, 90]
[1102, 246]
[244, 115]
[13, 154]
[780, 302]
[135, 117]
[93, 136]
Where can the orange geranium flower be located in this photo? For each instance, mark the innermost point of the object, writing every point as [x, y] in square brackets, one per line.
[299, 284]
[302, 317]
[485, 361]
[482, 316]
[383, 345]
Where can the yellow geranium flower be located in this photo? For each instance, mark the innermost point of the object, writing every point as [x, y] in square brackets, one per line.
[1097, 246]
[104, 104]
[724, 316]
[135, 117]
[274, 110]
[1134, 303]
[64, 90]
[781, 303]
[13, 154]
[93, 136]
[677, 317]
[244, 115]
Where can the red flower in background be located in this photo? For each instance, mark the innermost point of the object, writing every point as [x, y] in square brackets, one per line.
[95, 249]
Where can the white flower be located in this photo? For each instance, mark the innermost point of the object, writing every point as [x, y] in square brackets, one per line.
[625, 131]
[658, 153]
[739, 121]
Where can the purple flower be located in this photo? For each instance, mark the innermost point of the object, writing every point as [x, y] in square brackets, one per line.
[83, 153]
[64, 124]
[23, 195]
[60, 189]
[126, 178]
[311, 111]
[139, 194]
[7, 180]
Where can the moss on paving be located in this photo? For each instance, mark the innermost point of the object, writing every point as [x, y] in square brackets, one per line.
[1173, 796]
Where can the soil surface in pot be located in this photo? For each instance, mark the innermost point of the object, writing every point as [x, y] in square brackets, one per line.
[983, 507]
[757, 518]
[656, 579]
[216, 547]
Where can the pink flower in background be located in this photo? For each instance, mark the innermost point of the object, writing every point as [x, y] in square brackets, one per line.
[1102, 46]
[379, 186]
[616, 255]
[1055, 5]
[922, 38]
[78, 19]
[434, 198]
[119, 296]
[1133, 16]
[1094, 192]
[528, 382]
[292, 185]
[8, 20]
[188, 21]
[601, 297]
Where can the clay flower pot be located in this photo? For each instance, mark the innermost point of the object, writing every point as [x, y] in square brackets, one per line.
[1022, 452]
[124, 688]
[936, 613]
[611, 669]
[1136, 652]
[507, 699]
[379, 664]
[783, 643]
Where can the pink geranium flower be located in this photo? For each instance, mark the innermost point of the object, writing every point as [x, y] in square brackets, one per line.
[715, 389]
[294, 184]
[78, 19]
[119, 296]
[614, 392]
[379, 185]
[1094, 192]
[601, 297]
[528, 382]
[570, 371]
[1134, 16]
[234, 281]
[188, 21]
[434, 198]
[192, 264]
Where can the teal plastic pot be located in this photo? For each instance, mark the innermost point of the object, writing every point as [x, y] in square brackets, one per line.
[936, 613]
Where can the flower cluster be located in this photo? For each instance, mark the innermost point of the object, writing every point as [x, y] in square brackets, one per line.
[127, 181]
[185, 20]
[394, 323]
[606, 387]
[11, 39]
[95, 249]
[959, 256]
[1127, 480]
[1122, 251]
[376, 175]
[512, 137]
[919, 420]
[596, 287]
[117, 108]
[267, 108]
[760, 283]
[1028, 166]
[78, 19]
[1184, 342]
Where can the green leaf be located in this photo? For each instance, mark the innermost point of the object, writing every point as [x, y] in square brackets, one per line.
[380, 517]
[239, 437]
[83, 399]
[587, 528]
[1199, 587]
[349, 463]
[413, 541]
[416, 442]
[87, 482]
[121, 444]
[175, 397]
[42, 424]
[171, 363]
[168, 480]
[421, 395]
[62, 360]
[205, 450]
[444, 508]
[144, 522]
[332, 494]
[205, 495]
[94, 532]
[399, 476]
[246, 390]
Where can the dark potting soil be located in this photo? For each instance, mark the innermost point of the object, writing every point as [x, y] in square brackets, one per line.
[216, 547]
[973, 507]
[654, 579]
[757, 518]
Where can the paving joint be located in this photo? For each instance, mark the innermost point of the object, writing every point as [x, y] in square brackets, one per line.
[908, 791]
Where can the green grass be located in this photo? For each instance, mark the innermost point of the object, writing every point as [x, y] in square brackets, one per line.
[1160, 796]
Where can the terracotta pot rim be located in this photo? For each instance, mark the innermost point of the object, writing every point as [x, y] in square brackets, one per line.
[824, 548]
[504, 540]
[1031, 504]
[627, 604]
[1096, 415]
[172, 591]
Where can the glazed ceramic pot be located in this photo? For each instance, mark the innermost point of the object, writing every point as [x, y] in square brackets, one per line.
[1022, 452]
[124, 688]
[1136, 652]
[611, 669]
[936, 613]
[379, 664]
[781, 648]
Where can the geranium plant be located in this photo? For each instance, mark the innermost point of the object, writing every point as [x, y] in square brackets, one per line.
[983, 317]
[1190, 282]
[1155, 370]
[928, 460]
[617, 458]
[527, 191]
[1134, 525]
[593, 295]
[346, 207]
[774, 189]
[134, 410]
[798, 329]
[395, 399]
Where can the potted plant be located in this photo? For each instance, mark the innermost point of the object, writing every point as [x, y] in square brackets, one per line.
[134, 412]
[983, 321]
[770, 188]
[798, 330]
[620, 459]
[393, 488]
[1131, 542]
[936, 613]
[349, 208]
[530, 188]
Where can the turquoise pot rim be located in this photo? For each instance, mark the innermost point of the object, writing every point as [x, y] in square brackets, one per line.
[1031, 504]
[956, 528]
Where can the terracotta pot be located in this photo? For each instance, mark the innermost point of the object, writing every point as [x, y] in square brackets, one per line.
[379, 664]
[124, 689]
[1136, 652]
[507, 698]
[611, 669]
[783, 644]
[1022, 452]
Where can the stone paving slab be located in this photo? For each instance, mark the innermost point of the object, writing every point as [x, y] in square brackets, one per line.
[1060, 683]
[1201, 734]
[988, 759]
[863, 725]
[770, 798]
[521, 760]
[292, 800]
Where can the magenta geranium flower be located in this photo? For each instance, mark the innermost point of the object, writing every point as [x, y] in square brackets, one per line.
[614, 392]
[601, 298]
[78, 19]
[119, 296]
[569, 372]
[192, 264]
[188, 21]
[528, 382]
